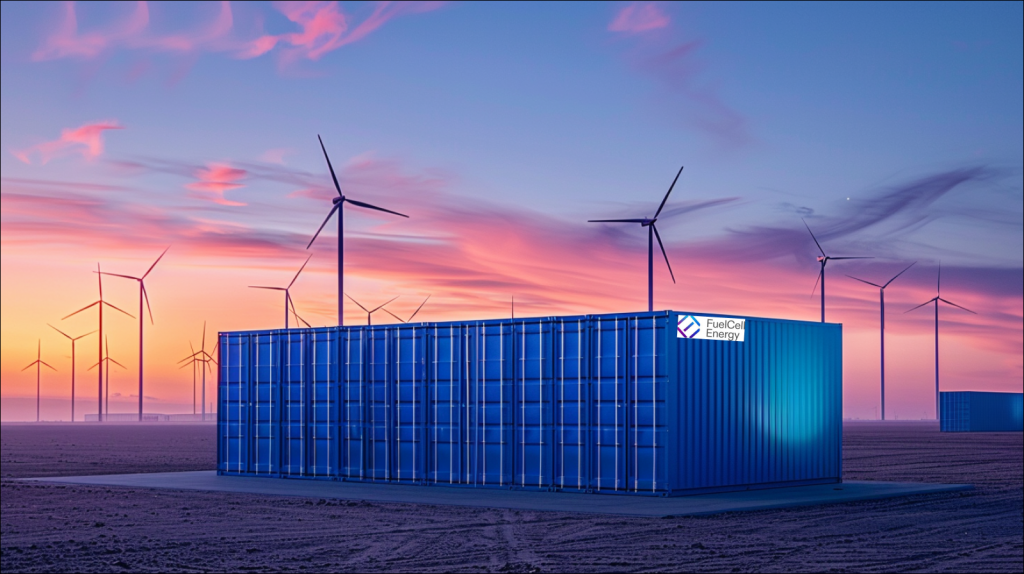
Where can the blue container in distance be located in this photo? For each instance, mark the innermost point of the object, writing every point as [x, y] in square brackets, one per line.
[973, 411]
[661, 403]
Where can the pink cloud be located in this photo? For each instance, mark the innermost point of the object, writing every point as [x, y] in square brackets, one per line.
[639, 17]
[215, 179]
[85, 140]
[326, 27]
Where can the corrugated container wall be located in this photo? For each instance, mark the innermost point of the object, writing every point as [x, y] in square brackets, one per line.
[972, 411]
[596, 403]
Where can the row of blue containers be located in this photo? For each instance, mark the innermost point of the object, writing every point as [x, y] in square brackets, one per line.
[597, 403]
[974, 411]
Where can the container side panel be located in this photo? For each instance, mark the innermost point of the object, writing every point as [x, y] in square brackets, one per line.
[233, 400]
[354, 407]
[379, 398]
[646, 406]
[977, 411]
[446, 403]
[266, 404]
[572, 405]
[409, 347]
[491, 397]
[534, 429]
[321, 348]
[293, 403]
[607, 409]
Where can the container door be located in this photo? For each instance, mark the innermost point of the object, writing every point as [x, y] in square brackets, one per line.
[409, 348]
[234, 398]
[324, 410]
[266, 405]
[354, 403]
[445, 405]
[491, 401]
[294, 393]
[534, 430]
[608, 407]
[572, 397]
[646, 409]
[379, 399]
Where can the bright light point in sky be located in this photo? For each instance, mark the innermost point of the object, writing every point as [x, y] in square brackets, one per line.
[500, 129]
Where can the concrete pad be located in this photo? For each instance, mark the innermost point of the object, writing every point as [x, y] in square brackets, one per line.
[788, 497]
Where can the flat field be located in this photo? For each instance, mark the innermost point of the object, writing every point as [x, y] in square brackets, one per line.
[62, 528]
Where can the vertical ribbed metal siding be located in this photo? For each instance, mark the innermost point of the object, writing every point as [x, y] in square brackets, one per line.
[765, 411]
[612, 403]
[974, 411]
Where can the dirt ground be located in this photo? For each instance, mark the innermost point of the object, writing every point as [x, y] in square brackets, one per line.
[55, 528]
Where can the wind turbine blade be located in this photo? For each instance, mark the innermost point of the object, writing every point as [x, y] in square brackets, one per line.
[326, 219]
[154, 263]
[838, 258]
[368, 206]
[94, 366]
[932, 300]
[80, 310]
[117, 275]
[305, 322]
[417, 309]
[898, 274]
[938, 281]
[329, 166]
[662, 206]
[383, 304]
[356, 302]
[271, 288]
[116, 363]
[145, 296]
[186, 365]
[99, 277]
[85, 335]
[30, 365]
[45, 364]
[203, 346]
[663, 252]
[814, 238]
[616, 221]
[215, 347]
[816, 281]
[118, 309]
[188, 358]
[955, 305]
[300, 271]
[62, 332]
[385, 310]
[863, 281]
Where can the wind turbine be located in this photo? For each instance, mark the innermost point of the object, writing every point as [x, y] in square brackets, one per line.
[652, 233]
[936, 299]
[338, 201]
[881, 302]
[824, 259]
[287, 295]
[193, 358]
[409, 320]
[203, 357]
[38, 363]
[106, 362]
[142, 295]
[375, 309]
[100, 303]
[72, 339]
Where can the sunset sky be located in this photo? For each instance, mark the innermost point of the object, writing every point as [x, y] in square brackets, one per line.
[894, 130]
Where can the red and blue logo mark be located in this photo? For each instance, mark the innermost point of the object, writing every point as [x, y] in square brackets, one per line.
[688, 326]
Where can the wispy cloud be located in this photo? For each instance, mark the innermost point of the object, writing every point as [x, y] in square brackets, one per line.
[639, 17]
[85, 140]
[324, 28]
[215, 179]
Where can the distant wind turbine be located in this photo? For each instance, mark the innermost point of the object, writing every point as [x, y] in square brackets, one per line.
[142, 295]
[881, 302]
[338, 201]
[73, 340]
[193, 359]
[936, 299]
[375, 309]
[106, 363]
[99, 304]
[37, 364]
[652, 233]
[202, 356]
[289, 305]
[409, 320]
[824, 259]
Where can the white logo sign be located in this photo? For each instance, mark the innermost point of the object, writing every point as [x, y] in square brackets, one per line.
[714, 328]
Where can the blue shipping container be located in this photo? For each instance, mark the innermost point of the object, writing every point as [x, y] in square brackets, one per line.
[657, 403]
[971, 411]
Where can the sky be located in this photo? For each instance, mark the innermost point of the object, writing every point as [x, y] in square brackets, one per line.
[893, 130]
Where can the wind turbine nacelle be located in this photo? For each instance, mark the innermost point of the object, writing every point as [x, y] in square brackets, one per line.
[337, 200]
[820, 259]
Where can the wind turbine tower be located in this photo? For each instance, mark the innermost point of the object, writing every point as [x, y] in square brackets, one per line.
[73, 340]
[37, 364]
[823, 260]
